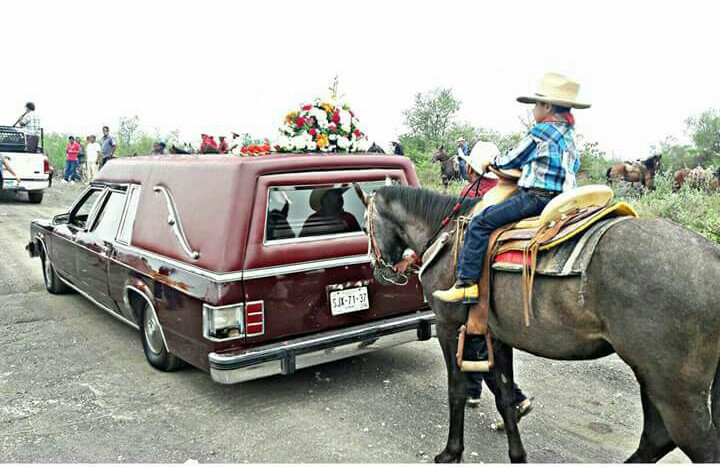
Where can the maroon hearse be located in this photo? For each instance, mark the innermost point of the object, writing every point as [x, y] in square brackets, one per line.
[243, 267]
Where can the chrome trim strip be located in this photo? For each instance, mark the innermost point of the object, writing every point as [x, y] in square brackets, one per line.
[288, 241]
[103, 307]
[304, 267]
[126, 298]
[174, 222]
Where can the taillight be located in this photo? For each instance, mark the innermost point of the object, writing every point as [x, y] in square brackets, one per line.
[254, 318]
[46, 166]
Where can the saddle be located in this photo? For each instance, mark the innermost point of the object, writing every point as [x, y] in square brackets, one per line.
[566, 218]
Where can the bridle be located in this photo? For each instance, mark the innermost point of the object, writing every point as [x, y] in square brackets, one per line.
[374, 249]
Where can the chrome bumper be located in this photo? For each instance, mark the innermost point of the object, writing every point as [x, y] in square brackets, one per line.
[287, 356]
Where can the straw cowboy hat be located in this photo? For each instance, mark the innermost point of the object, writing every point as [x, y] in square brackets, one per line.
[556, 89]
[482, 151]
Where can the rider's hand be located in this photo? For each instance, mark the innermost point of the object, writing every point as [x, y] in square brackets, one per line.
[17, 178]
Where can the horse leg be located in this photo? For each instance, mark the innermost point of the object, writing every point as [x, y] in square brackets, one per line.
[503, 374]
[655, 441]
[447, 335]
[685, 411]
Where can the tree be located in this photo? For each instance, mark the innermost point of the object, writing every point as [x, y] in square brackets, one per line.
[129, 131]
[705, 132]
[432, 116]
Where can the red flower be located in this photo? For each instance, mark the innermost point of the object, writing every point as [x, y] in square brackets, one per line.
[358, 133]
[332, 127]
[307, 107]
[313, 131]
[300, 122]
[336, 117]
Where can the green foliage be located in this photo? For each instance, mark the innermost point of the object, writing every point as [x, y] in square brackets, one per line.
[593, 163]
[705, 131]
[432, 116]
[695, 209]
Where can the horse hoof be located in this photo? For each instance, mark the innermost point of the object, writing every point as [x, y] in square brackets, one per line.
[446, 457]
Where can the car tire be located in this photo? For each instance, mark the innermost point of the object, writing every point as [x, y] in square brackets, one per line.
[153, 344]
[35, 197]
[53, 284]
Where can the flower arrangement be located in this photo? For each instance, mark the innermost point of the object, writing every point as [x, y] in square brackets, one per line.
[321, 126]
[255, 149]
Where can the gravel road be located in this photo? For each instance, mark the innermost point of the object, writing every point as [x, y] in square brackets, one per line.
[75, 387]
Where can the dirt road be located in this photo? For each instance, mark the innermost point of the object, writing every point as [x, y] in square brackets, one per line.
[75, 387]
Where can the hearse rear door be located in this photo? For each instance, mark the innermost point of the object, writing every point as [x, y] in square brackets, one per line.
[306, 258]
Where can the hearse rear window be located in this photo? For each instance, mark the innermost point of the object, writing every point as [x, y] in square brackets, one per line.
[315, 211]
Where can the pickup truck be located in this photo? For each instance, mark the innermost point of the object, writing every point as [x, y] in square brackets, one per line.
[241, 266]
[33, 168]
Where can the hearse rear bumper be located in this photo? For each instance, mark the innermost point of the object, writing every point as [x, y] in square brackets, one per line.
[287, 356]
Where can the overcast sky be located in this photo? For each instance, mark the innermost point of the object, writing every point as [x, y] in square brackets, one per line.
[215, 66]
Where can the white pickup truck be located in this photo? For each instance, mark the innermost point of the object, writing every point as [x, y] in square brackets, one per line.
[33, 168]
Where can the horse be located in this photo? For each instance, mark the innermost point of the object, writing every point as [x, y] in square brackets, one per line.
[176, 150]
[376, 149]
[697, 178]
[642, 296]
[642, 171]
[448, 170]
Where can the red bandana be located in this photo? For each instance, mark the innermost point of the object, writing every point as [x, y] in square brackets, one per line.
[563, 117]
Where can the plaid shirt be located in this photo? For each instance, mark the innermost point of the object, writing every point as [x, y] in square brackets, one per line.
[547, 155]
[31, 124]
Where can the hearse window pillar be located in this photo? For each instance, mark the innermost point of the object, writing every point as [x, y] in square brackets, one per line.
[127, 221]
[175, 223]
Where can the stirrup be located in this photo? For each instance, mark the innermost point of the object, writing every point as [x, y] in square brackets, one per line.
[470, 366]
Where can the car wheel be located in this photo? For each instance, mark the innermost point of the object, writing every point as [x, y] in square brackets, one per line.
[52, 283]
[154, 346]
[35, 197]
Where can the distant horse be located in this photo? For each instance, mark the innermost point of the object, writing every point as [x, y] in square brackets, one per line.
[376, 149]
[448, 169]
[640, 171]
[697, 178]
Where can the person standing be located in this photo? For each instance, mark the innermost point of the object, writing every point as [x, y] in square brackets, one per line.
[397, 148]
[158, 148]
[30, 122]
[92, 157]
[72, 149]
[462, 152]
[108, 146]
[5, 163]
[222, 145]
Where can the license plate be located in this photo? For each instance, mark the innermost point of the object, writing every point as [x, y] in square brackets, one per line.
[349, 300]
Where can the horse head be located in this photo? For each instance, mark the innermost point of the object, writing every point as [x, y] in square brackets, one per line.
[440, 155]
[385, 243]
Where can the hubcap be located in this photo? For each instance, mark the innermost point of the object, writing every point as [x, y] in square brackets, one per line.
[152, 333]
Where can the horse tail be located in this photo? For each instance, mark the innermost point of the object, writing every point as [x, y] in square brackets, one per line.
[607, 174]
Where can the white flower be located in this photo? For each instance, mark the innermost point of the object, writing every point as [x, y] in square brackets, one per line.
[312, 145]
[345, 118]
[332, 137]
[343, 142]
[299, 142]
[362, 144]
[283, 141]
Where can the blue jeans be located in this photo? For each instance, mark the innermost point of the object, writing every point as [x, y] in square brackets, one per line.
[519, 206]
[71, 171]
[463, 168]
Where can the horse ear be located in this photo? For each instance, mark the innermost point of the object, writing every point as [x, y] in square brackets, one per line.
[442, 147]
[361, 194]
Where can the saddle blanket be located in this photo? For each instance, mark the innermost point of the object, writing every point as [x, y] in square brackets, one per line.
[569, 258]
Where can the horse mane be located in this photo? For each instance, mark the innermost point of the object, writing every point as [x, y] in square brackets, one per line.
[425, 204]
[650, 162]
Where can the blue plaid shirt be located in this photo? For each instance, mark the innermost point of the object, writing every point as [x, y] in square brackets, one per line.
[547, 155]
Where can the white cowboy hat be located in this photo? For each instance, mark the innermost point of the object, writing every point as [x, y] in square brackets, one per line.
[460, 139]
[556, 89]
[482, 151]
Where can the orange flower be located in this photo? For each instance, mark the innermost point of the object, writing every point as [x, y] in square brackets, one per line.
[322, 141]
[290, 117]
[327, 107]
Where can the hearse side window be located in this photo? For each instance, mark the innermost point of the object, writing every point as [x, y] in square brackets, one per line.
[126, 225]
[314, 211]
[109, 217]
[79, 216]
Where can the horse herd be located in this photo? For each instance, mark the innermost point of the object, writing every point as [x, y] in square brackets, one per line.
[640, 171]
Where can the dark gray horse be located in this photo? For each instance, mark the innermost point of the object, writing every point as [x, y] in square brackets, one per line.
[447, 167]
[651, 295]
